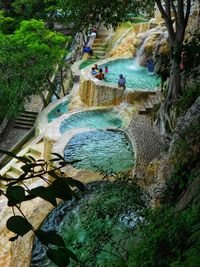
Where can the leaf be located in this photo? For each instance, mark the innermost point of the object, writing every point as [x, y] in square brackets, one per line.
[76, 183]
[26, 168]
[15, 195]
[18, 225]
[59, 257]
[31, 158]
[62, 190]
[45, 193]
[50, 237]
[13, 238]
[58, 155]
[56, 176]
[11, 154]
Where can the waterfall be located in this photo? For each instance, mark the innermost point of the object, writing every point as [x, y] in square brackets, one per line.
[154, 36]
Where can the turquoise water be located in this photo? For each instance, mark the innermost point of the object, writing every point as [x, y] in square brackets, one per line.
[63, 109]
[91, 119]
[89, 223]
[100, 150]
[137, 77]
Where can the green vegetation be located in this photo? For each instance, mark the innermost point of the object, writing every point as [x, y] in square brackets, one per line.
[168, 238]
[28, 59]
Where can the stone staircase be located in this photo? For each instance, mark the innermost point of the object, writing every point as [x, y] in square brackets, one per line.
[25, 120]
[13, 168]
[148, 104]
[100, 42]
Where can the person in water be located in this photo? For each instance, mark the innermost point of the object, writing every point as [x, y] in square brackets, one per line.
[100, 75]
[122, 81]
[106, 69]
[150, 65]
[58, 112]
[96, 67]
[93, 71]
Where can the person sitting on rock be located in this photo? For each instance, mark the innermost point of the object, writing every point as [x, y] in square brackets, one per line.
[100, 75]
[122, 81]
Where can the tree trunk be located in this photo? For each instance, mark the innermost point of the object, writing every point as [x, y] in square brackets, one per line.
[174, 90]
[61, 82]
[43, 100]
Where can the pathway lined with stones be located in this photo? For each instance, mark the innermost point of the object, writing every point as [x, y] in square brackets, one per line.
[146, 140]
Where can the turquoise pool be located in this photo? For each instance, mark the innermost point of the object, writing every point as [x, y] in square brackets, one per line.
[63, 107]
[91, 119]
[137, 77]
[100, 150]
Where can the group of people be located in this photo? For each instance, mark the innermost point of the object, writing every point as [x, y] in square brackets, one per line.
[100, 74]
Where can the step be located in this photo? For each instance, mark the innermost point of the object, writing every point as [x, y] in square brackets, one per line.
[30, 112]
[154, 100]
[28, 115]
[29, 119]
[99, 49]
[99, 41]
[22, 127]
[24, 122]
[33, 151]
[13, 172]
[100, 53]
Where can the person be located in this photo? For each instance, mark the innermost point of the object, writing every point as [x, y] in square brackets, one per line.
[100, 75]
[150, 65]
[106, 69]
[58, 112]
[93, 71]
[122, 81]
[96, 67]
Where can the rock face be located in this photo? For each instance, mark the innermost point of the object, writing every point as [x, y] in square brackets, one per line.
[186, 134]
[142, 41]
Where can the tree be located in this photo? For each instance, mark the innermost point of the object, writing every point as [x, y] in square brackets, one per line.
[28, 59]
[176, 25]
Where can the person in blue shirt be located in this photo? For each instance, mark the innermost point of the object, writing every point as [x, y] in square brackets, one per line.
[122, 81]
[150, 65]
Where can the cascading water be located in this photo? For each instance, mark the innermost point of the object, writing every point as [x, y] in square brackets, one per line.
[155, 36]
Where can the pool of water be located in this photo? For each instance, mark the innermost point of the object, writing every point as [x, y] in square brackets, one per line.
[100, 150]
[137, 77]
[91, 119]
[83, 224]
[53, 114]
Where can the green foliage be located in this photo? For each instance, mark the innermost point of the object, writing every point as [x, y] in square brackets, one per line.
[27, 58]
[56, 185]
[165, 239]
[190, 94]
[7, 25]
[84, 14]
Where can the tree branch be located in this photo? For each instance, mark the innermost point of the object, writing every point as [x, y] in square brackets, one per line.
[188, 8]
[175, 13]
[180, 12]
[168, 21]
